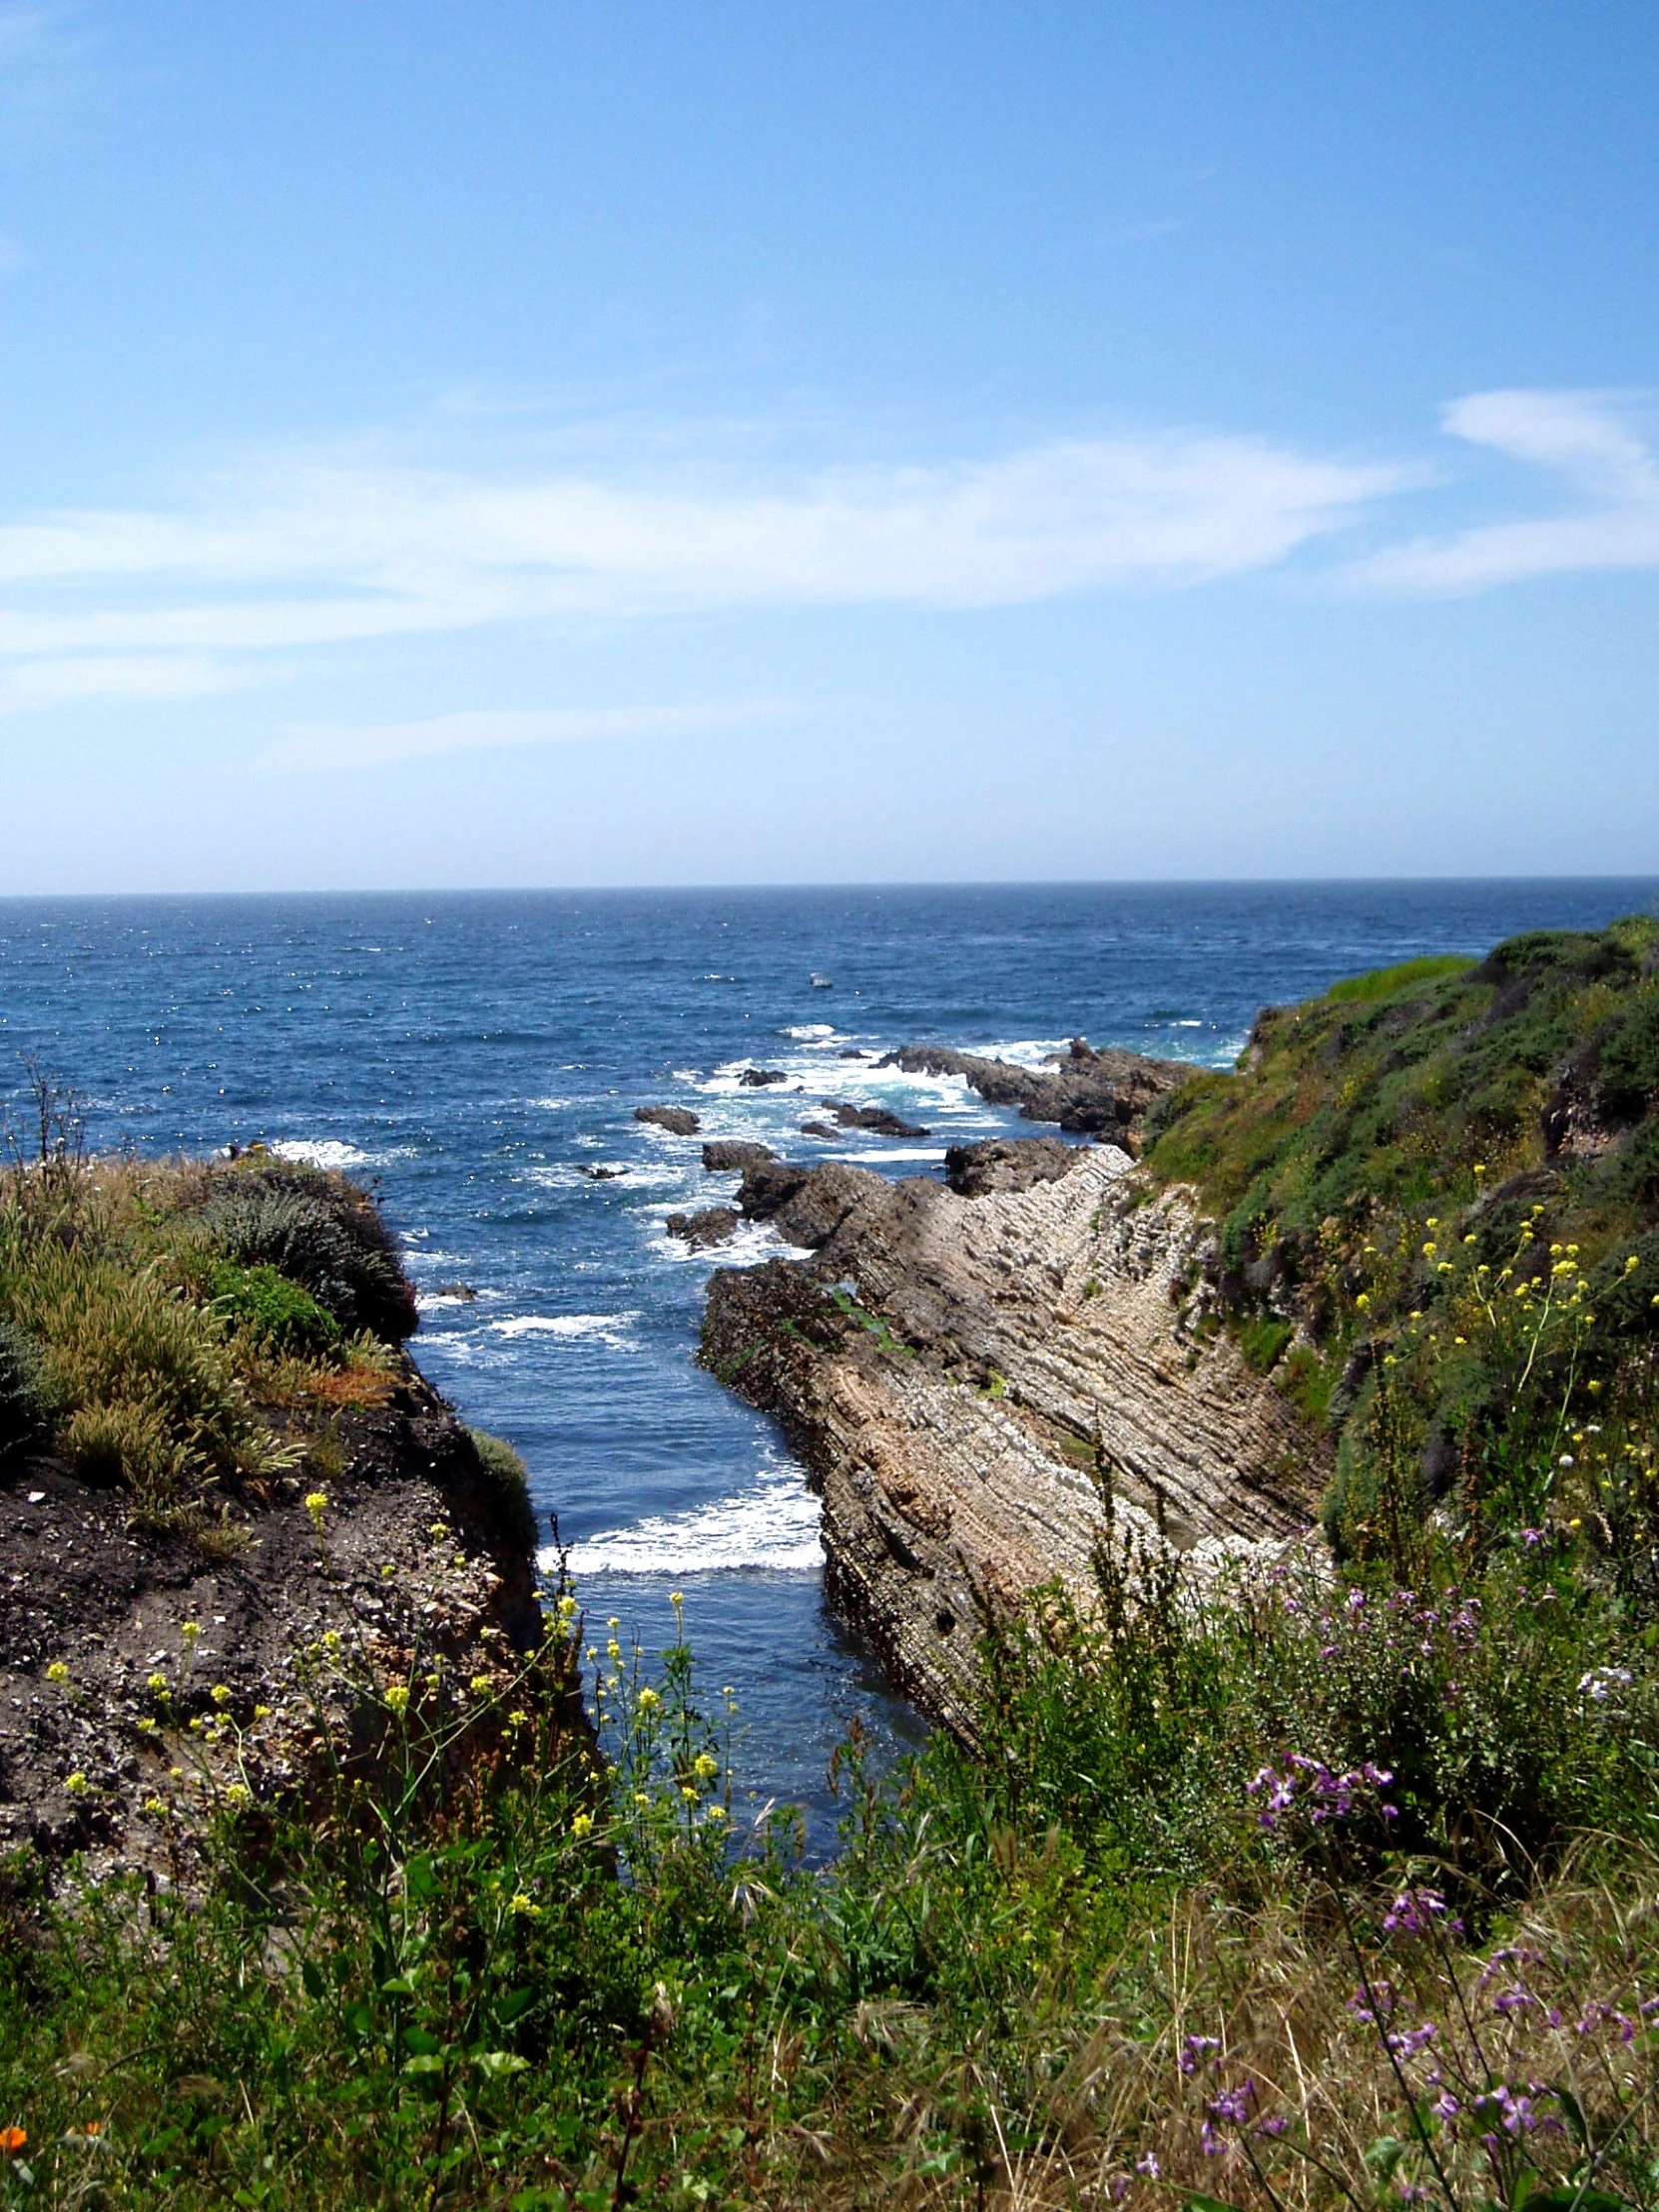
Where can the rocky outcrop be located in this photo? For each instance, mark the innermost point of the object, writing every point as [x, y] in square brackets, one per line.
[679, 1121]
[880, 1118]
[712, 1225]
[966, 1376]
[1008, 1164]
[760, 1079]
[1091, 1093]
[732, 1156]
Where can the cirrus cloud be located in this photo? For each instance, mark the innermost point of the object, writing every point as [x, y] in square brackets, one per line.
[306, 556]
[1584, 439]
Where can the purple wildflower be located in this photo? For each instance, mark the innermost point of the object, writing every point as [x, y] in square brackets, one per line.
[1373, 2003]
[1414, 1911]
[1446, 2106]
[1511, 2001]
[1195, 2052]
[1413, 2041]
[1233, 2104]
[1149, 2166]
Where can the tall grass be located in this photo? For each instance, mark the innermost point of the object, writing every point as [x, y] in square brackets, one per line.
[151, 1339]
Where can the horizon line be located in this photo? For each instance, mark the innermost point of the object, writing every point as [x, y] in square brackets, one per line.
[1642, 877]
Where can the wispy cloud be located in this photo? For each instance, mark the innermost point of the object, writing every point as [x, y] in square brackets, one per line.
[327, 747]
[308, 555]
[1607, 471]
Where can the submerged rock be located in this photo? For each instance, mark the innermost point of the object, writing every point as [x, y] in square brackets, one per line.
[757, 1079]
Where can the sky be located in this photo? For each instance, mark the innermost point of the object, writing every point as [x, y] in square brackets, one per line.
[679, 441]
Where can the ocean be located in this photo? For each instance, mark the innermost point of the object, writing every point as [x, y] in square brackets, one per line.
[477, 1058]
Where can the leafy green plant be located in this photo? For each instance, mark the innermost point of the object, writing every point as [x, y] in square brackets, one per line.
[265, 1302]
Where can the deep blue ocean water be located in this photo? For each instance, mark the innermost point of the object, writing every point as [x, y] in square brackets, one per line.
[476, 1055]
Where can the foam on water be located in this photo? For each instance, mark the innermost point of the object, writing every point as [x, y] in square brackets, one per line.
[320, 1152]
[773, 1526]
[605, 1329]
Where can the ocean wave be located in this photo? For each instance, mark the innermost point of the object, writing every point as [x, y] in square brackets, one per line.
[606, 1328]
[771, 1525]
[750, 1244]
[881, 1150]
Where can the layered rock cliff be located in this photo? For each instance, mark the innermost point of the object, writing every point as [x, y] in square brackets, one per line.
[963, 1371]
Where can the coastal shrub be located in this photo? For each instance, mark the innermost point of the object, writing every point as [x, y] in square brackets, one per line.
[140, 1376]
[271, 1308]
[22, 1398]
[320, 1234]
[507, 1486]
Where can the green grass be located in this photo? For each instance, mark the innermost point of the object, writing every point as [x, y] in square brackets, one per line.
[1391, 982]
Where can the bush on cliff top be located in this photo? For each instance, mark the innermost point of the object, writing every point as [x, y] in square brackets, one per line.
[168, 1324]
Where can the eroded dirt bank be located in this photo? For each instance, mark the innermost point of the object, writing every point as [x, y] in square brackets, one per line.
[115, 1640]
[960, 1368]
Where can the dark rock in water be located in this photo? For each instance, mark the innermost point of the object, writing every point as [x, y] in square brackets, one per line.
[850, 1052]
[604, 1175]
[679, 1121]
[877, 1118]
[1101, 1094]
[462, 1293]
[757, 1079]
[732, 1156]
[1008, 1164]
[713, 1226]
[818, 1129]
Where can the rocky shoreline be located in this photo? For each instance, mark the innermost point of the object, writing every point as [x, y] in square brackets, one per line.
[970, 1371]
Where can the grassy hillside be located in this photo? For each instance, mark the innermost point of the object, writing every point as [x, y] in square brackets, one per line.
[1442, 1183]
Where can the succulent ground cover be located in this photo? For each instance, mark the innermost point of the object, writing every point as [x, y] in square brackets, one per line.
[1336, 1883]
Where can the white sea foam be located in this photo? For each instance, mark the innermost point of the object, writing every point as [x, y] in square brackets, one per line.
[891, 1152]
[750, 1244]
[605, 1329]
[320, 1152]
[1025, 1052]
[810, 1032]
[772, 1524]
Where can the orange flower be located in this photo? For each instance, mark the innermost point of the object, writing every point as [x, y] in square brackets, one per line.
[13, 2138]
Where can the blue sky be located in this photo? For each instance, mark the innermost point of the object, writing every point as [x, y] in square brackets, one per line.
[532, 443]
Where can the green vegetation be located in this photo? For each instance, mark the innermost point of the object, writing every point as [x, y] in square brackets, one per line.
[1447, 1183]
[509, 1488]
[173, 1326]
[1323, 1883]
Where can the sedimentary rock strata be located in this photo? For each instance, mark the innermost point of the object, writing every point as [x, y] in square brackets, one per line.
[961, 1373]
